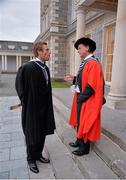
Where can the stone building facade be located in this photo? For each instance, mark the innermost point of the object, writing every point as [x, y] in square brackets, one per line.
[64, 21]
[13, 54]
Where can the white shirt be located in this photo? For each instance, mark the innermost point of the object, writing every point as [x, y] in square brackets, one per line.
[90, 55]
[37, 59]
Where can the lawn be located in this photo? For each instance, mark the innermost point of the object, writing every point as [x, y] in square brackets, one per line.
[56, 84]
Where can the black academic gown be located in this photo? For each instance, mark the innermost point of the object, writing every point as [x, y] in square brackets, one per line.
[36, 99]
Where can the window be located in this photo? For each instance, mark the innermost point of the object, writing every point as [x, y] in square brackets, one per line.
[97, 37]
[24, 47]
[11, 47]
[109, 42]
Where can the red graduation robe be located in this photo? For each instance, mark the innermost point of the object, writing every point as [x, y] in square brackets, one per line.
[90, 115]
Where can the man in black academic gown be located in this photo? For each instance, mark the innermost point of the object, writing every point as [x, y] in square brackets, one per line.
[33, 87]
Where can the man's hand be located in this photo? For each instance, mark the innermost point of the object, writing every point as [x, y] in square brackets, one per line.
[69, 78]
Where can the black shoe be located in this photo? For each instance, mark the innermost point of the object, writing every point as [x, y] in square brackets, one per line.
[83, 149]
[80, 152]
[43, 160]
[33, 167]
[74, 144]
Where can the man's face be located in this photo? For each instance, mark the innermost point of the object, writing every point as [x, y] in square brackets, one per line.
[83, 51]
[44, 54]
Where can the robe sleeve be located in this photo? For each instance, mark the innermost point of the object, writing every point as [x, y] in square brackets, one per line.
[86, 94]
[74, 80]
[19, 84]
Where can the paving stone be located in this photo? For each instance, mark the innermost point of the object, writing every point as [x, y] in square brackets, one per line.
[9, 144]
[19, 173]
[5, 137]
[17, 136]
[18, 153]
[4, 175]
[7, 85]
[4, 154]
[10, 128]
[13, 164]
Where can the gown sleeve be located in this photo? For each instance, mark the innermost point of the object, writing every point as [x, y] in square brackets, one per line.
[86, 94]
[74, 80]
[19, 84]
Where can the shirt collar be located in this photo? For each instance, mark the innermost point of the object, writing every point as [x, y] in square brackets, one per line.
[90, 55]
[37, 59]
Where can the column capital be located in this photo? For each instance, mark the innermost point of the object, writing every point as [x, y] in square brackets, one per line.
[80, 9]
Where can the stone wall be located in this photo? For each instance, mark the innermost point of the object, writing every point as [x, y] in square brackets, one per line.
[61, 34]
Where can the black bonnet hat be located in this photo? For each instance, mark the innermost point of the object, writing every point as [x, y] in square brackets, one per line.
[86, 42]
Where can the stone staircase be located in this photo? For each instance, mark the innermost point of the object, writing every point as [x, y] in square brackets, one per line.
[105, 161]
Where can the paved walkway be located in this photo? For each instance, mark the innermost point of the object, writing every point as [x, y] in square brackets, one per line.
[7, 85]
[13, 164]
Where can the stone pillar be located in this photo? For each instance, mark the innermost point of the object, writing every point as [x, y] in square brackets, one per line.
[3, 66]
[80, 31]
[117, 95]
[17, 62]
[5, 62]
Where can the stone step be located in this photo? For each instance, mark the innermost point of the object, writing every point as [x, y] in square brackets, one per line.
[62, 162]
[113, 126]
[115, 159]
[91, 165]
[107, 128]
[116, 132]
[112, 154]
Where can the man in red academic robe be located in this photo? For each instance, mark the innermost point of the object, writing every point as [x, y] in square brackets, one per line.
[88, 97]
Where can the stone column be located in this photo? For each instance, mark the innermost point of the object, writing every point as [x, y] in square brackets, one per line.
[117, 95]
[17, 62]
[3, 63]
[80, 31]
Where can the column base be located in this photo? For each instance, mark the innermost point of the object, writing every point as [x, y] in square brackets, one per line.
[116, 102]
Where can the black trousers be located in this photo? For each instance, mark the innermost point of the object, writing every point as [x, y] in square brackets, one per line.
[78, 113]
[34, 152]
[81, 142]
